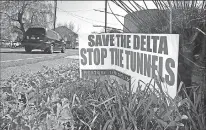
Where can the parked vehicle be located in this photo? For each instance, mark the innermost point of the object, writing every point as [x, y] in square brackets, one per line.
[39, 38]
[5, 43]
[15, 44]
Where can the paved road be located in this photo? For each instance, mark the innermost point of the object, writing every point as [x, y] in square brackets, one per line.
[17, 61]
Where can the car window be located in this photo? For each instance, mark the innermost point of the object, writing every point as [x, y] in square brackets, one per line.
[35, 32]
[53, 35]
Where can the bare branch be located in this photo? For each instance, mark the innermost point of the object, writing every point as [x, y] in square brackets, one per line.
[201, 31]
[139, 6]
[117, 18]
[196, 19]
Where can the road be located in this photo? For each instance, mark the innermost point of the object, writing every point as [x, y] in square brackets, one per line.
[17, 61]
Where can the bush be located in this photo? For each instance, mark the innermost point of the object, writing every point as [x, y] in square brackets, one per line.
[58, 99]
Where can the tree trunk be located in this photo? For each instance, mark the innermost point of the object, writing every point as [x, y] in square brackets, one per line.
[20, 17]
[22, 29]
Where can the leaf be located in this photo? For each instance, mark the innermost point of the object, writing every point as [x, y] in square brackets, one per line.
[149, 104]
[108, 123]
[123, 123]
[180, 86]
[125, 114]
[55, 109]
[26, 127]
[43, 116]
[180, 124]
[164, 124]
[184, 117]
[92, 123]
[132, 118]
[183, 102]
[49, 122]
[177, 118]
[59, 108]
[65, 114]
[172, 123]
[167, 117]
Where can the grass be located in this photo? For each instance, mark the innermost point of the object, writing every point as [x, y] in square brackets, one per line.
[57, 99]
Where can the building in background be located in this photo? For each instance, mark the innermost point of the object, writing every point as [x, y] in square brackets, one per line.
[70, 37]
[146, 21]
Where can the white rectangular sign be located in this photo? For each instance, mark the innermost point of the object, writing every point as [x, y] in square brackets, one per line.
[137, 56]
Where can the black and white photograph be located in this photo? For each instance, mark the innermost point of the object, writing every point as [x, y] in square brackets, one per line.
[103, 65]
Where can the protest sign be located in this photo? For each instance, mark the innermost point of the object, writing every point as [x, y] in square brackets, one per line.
[136, 56]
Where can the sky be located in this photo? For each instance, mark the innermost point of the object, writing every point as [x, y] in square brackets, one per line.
[82, 14]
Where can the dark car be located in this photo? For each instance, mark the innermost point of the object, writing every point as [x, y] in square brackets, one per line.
[39, 38]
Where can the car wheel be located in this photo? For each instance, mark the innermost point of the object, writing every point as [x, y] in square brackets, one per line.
[28, 49]
[51, 49]
[63, 49]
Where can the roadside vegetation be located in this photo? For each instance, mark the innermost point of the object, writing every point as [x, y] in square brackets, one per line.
[57, 99]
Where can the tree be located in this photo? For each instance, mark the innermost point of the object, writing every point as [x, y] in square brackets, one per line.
[24, 14]
[73, 27]
[70, 26]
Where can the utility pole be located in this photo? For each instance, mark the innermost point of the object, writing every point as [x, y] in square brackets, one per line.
[55, 11]
[105, 16]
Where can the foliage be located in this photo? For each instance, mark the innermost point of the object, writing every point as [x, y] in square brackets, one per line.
[21, 15]
[58, 99]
